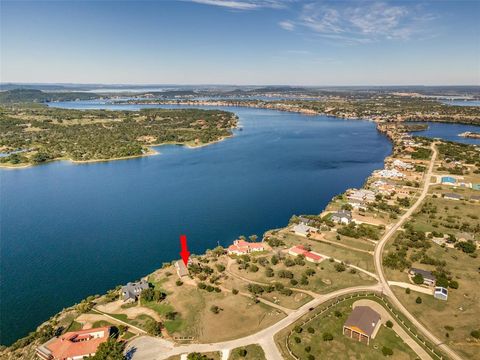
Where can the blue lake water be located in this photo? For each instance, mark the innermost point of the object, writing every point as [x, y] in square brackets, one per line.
[448, 132]
[69, 231]
[462, 102]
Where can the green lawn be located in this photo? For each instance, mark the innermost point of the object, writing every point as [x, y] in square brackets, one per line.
[342, 347]
[254, 352]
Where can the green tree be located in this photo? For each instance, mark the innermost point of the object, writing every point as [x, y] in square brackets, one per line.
[418, 300]
[389, 324]
[154, 327]
[242, 352]
[327, 336]
[386, 351]
[418, 279]
[109, 350]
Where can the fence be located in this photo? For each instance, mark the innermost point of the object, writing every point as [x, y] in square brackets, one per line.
[406, 325]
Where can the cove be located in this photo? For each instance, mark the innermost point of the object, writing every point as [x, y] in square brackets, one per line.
[73, 230]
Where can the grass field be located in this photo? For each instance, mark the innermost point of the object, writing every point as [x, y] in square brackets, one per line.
[363, 260]
[195, 319]
[325, 279]
[209, 355]
[341, 347]
[254, 352]
[458, 316]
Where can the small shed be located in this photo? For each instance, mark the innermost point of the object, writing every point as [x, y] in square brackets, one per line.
[440, 293]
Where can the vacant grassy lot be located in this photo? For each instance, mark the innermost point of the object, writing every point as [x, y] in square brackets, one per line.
[195, 318]
[254, 352]
[310, 340]
[326, 278]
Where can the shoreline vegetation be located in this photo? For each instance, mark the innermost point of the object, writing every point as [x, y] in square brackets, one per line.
[33, 135]
[378, 109]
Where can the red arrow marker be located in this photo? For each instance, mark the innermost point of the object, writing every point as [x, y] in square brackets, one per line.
[185, 254]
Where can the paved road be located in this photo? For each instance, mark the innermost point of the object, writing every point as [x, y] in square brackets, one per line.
[148, 348]
[378, 256]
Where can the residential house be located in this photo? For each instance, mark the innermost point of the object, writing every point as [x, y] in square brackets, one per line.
[303, 230]
[452, 196]
[475, 198]
[342, 217]
[400, 165]
[440, 293]
[181, 268]
[358, 204]
[304, 220]
[393, 173]
[428, 278]
[361, 195]
[476, 186]
[74, 345]
[242, 247]
[309, 255]
[132, 290]
[362, 324]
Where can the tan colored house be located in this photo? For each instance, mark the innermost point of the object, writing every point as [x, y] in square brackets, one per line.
[362, 324]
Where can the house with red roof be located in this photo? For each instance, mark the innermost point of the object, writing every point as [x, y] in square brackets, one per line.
[309, 255]
[242, 247]
[74, 345]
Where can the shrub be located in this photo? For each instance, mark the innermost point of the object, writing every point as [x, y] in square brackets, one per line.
[308, 349]
[297, 339]
[298, 329]
[389, 324]
[154, 327]
[475, 334]
[215, 309]
[242, 352]
[418, 279]
[407, 290]
[418, 300]
[179, 282]
[327, 336]
[310, 357]
[311, 330]
[387, 351]
[235, 291]
[339, 267]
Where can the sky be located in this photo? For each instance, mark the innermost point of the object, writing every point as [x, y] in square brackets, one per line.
[242, 42]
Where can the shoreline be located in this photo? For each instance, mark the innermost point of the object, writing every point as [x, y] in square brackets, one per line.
[151, 152]
[391, 140]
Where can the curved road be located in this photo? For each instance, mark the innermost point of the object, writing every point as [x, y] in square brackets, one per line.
[148, 348]
[378, 257]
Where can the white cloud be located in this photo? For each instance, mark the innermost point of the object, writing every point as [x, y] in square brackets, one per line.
[361, 22]
[287, 25]
[244, 4]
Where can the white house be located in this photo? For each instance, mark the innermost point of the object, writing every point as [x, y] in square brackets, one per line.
[303, 230]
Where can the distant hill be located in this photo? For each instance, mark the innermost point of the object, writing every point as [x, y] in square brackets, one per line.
[38, 96]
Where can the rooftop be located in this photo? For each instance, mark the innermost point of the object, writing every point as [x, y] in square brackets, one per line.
[363, 318]
[77, 343]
